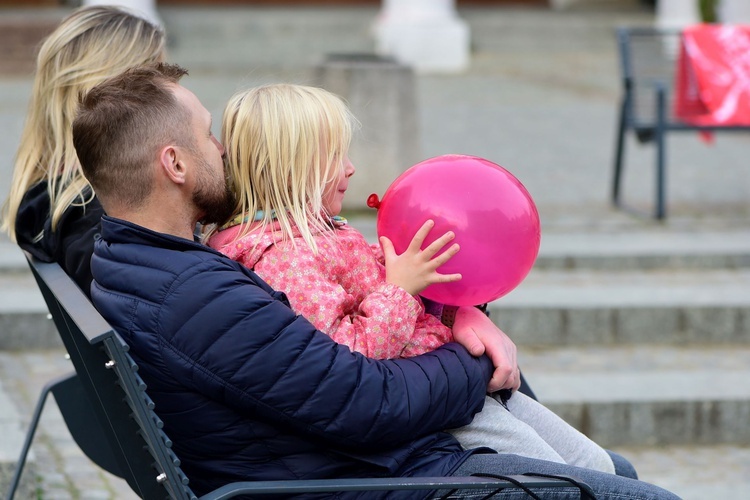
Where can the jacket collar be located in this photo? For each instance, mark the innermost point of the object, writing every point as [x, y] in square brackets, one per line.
[121, 231]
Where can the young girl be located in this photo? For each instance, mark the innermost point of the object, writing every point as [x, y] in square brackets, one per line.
[287, 152]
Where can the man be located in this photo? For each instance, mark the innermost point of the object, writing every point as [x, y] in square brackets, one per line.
[248, 390]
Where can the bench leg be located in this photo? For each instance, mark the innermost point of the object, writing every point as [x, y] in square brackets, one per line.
[30, 433]
[660, 142]
[620, 141]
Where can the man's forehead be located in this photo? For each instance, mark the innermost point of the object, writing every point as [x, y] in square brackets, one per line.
[190, 100]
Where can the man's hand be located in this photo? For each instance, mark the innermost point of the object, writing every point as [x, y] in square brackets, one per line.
[475, 331]
[415, 269]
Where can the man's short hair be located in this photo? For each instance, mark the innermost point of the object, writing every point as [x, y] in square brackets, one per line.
[121, 125]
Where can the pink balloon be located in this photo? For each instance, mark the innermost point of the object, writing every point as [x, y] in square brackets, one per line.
[493, 216]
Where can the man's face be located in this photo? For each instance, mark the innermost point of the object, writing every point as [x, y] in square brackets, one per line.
[212, 195]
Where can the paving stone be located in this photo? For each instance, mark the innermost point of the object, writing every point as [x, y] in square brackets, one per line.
[62, 469]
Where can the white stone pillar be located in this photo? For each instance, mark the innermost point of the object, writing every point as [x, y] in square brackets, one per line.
[676, 14]
[144, 8]
[733, 11]
[427, 35]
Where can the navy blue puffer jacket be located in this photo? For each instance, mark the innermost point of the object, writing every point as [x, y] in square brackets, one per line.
[250, 391]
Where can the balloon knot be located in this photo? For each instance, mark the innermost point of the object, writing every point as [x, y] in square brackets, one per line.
[373, 201]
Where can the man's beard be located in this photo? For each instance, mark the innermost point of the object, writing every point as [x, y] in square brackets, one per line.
[214, 198]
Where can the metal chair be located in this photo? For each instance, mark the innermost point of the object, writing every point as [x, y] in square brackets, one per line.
[648, 61]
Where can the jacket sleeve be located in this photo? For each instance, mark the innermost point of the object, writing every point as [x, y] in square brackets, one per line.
[268, 363]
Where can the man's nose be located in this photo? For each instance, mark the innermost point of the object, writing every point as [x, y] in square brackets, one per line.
[219, 146]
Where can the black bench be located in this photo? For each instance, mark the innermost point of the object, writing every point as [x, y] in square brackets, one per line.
[648, 64]
[120, 416]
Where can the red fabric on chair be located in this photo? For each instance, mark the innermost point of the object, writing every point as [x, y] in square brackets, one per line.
[713, 75]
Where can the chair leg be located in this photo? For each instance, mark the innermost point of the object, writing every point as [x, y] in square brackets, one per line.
[30, 433]
[660, 142]
[620, 149]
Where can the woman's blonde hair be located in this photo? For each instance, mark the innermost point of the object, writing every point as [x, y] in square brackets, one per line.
[285, 143]
[89, 46]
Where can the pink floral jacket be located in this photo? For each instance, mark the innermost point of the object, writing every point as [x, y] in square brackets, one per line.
[341, 290]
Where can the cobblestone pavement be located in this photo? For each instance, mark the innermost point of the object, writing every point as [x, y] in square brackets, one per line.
[63, 472]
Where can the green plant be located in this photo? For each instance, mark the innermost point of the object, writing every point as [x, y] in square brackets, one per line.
[708, 10]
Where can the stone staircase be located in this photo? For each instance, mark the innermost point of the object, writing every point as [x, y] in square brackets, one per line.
[639, 337]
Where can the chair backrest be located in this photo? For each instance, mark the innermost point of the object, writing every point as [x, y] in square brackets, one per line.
[648, 58]
[99, 355]
[81, 419]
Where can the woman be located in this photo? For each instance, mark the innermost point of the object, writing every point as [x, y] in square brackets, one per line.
[51, 210]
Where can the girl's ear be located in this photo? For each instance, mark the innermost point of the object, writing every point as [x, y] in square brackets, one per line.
[172, 165]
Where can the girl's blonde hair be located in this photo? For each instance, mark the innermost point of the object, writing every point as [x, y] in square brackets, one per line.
[89, 46]
[285, 143]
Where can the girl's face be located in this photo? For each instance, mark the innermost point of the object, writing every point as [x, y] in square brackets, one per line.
[335, 190]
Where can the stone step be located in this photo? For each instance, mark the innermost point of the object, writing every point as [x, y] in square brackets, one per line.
[605, 307]
[646, 395]
[709, 307]
[568, 250]
[11, 258]
[27, 329]
[616, 243]
[709, 249]
[24, 319]
[694, 472]
[551, 307]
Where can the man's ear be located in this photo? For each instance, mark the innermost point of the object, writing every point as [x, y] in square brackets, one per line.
[172, 164]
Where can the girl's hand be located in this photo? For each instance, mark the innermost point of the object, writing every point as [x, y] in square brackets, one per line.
[415, 269]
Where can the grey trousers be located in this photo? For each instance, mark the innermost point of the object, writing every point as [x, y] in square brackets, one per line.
[527, 428]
